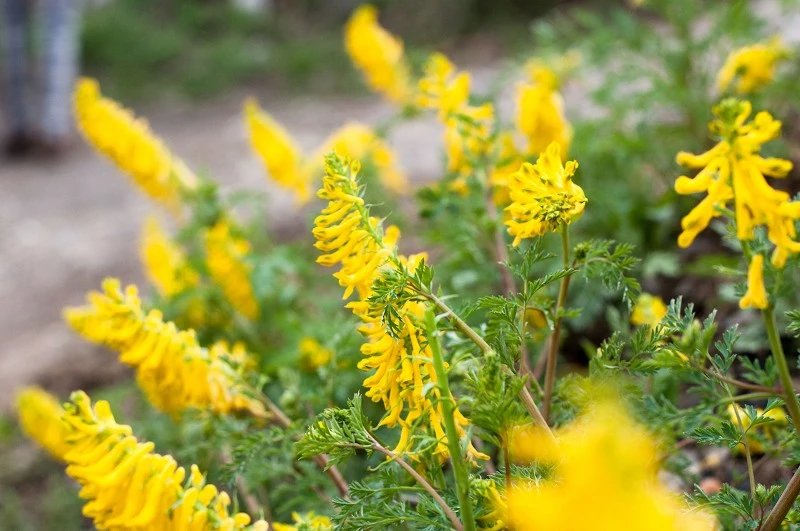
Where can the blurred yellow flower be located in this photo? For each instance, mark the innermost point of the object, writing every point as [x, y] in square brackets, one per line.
[172, 369]
[359, 142]
[307, 522]
[606, 466]
[756, 295]
[540, 112]
[164, 262]
[128, 486]
[225, 259]
[468, 128]
[277, 150]
[649, 310]
[40, 417]
[543, 196]
[312, 354]
[115, 132]
[737, 413]
[751, 67]
[734, 170]
[378, 54]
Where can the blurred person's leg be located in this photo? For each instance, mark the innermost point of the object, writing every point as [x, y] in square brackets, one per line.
[59, 69]
[16, 24]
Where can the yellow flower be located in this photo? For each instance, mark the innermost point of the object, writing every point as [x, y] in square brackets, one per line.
[164, 262]
[312, 354]
[402, 362]
[115, 132]
[733, 169]
[225, 258]
[358, 141]
[173, 370]
[40, 418]
[308, 522]
[495, 511]
[378, 54]
[751, 67]
[737, 413]
[277, 150]
[468, 128]
[756, 295]
[540, 112]
[543, 196]
[129, 486]
[605, 465]
[649, 310]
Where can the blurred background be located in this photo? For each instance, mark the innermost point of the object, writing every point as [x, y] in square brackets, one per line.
[68, 218]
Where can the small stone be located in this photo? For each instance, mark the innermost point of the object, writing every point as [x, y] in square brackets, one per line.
[710, 485]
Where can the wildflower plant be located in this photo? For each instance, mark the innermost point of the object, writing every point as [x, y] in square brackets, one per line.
[499, 369]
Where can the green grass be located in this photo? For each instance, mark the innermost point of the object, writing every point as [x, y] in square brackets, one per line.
[146, 48]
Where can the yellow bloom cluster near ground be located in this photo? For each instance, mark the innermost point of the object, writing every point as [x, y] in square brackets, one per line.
[379, 55]
[118, 134]
[403, 367]
[226, 261]
[605, 479]
[543, 196]
[174, 371]
[127, 486]
[750, 68]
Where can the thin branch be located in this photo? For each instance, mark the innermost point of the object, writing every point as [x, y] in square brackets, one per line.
[424, 483]
[784, 503]
[322, 461]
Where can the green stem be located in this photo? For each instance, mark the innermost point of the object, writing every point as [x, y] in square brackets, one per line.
[459, 322]
[419, 478]
[457, 460]
[783, 367]
[555, 337]
[748, 456]
[525, 395]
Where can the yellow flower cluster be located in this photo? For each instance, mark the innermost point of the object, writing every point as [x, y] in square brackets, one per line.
[174, 371]
[751, 67]
[225, 259]
[737, 413]
[543, 196]
[403, 367]
[379, 55]
[606, 465]
[734, 170]
[277, 150]
[40, 418]
[115, 132]
[312, 354]
[292, 170]
[540, 112]
[129, 487]
[649, 310]
[164, 262]
[305, 522]
[468, 128]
